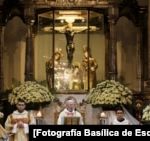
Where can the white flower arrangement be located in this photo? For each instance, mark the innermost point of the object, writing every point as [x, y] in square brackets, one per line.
[30, 92]
[110, 92]
[146, 113]
[1, 115]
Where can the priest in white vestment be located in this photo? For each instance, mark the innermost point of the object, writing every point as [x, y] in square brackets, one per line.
[17, 123]
[70, 111]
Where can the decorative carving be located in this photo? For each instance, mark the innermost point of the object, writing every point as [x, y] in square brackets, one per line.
[72, 3]
[138, 104]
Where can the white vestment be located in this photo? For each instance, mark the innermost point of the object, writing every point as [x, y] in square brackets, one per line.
[66, 113]
[124, 122]
[19, 134]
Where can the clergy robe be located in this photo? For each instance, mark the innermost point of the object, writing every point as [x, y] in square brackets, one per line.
[66, 113]
[3, 133]
[19, 134]
[124, 122]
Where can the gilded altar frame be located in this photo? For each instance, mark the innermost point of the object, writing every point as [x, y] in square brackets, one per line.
[105, 8]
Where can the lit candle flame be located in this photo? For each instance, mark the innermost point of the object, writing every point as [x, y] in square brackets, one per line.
[39, 114]
[103, 115]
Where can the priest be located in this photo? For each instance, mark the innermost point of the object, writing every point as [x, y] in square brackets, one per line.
[70, 115]
[17, 123]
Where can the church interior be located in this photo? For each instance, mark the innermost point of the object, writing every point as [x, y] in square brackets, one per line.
[97, 51]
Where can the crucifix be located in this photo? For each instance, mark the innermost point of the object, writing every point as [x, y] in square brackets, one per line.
[69, 30]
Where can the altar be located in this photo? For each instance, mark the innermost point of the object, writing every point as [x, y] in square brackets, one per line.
[72, 45]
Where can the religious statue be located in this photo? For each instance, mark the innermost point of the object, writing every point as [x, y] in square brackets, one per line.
[139, 109]
[52, 66]
[69, 32]
[77, 81]
[70, 44]
[89, 64]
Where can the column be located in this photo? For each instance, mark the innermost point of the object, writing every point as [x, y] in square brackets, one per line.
[148, 40]
[1, 59]
[139, 57]
[142, 65]
[112, 57]
[29, 58]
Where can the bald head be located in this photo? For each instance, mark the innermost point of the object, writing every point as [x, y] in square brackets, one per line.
[70, 105]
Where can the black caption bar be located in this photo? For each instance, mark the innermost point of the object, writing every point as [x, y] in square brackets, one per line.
[46, 132]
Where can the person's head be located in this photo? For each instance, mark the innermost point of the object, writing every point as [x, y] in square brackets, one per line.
[69, 27]
[20, 105]
[119, 113]
[87, 52]
[57, 56]
[76, 69]
[70, 104]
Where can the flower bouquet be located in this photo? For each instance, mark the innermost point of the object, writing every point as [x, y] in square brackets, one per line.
[1, 115]
[146, 113]
[31, 92]
[110, 93]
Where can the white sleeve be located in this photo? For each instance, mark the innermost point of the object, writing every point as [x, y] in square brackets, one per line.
[26, 128]
[14, 130]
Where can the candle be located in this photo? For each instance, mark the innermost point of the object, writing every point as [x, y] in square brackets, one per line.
[39, 114]
[103, 115]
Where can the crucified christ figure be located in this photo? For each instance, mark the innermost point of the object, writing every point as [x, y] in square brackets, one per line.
[69, 32]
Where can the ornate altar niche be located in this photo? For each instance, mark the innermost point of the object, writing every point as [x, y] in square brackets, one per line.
[75, 41]
[73, 58]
